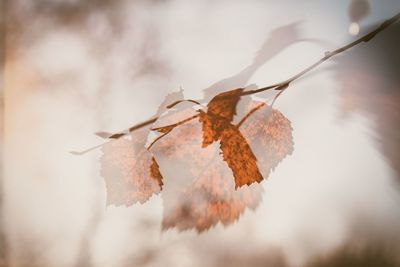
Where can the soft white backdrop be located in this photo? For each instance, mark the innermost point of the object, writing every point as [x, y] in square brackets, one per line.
[67, 78]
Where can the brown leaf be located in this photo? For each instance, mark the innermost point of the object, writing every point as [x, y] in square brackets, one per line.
[269, 134]
[224, 104]
[198, 188]
[208, 125]
[209, 200]
[199, 191]
[239, 157]
[235, 150]
[131, 173]
[217, 126]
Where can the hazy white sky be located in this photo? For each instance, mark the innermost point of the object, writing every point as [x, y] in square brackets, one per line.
[108, 67]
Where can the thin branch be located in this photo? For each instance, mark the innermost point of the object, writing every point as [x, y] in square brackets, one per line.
[276, 97]
[141, 125]
[183, 100]
[155, 140]
[282, 86]
[127, 131]
[115, 135]
[328, 55]
[168, 128]
[108, 135]
[78, 153]
[172, 126]
[249, 114]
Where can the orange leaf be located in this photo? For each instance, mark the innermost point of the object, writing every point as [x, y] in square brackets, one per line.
[269, 134]
[239, 157]
[130, 171]
[235, 150]
[209, 200]
[224, 104]
[199, 191]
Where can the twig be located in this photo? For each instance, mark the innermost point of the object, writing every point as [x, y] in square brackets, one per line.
[276, 97]
[249, 114]
[78, 153]
[183, 100]
[169, 128]
[125, 132]
[282, 86]
[327, 56]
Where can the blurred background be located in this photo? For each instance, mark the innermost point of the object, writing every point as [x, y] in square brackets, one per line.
[70, 68]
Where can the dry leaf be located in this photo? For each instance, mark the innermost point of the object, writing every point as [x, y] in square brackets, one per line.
[207, 164]
[269, 134]
[131, 173]
[224, 104]
[199, 191]
[239, 157]
[211, 199]
[217, 126]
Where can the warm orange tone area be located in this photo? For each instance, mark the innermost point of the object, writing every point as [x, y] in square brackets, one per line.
[130, 171]
[207, 169]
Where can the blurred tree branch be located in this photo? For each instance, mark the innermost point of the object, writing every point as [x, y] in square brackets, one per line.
[281, 86]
